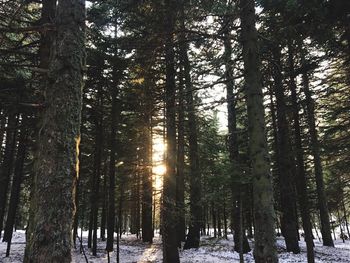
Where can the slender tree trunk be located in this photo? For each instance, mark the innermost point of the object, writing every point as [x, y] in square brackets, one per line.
[233, 147]
[264, 214]
[285, 160]
[7, 163]
[138, 205]
[213, 216]
[315, 148]
[104, 206]
[345, 216]
[170, 251]
[301, 173]
[2, 130]
[193, 236]
[56, 164]
[77, 212]
[112, 159]
[219, 222]
[225, 221]
[147, 230]
[180, 177]
[16, 184]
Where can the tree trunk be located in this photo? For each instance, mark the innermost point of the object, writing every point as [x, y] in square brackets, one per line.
[48, 14]
[147, 189]
[180, 176]
[213, 214]
[16, 184]
[170, 251]
[7, 163]
[56, 164]
[112, 160]
[104, 205]
[193, 236]
[264, 214]
[285, 160]
[315, 148]
[233, 147]
[95, 195]
[301, 173]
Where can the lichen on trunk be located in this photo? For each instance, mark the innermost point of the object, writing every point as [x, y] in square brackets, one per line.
[55, 165]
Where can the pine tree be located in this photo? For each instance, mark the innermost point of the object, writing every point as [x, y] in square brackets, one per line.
[56, 166]
[264, 215]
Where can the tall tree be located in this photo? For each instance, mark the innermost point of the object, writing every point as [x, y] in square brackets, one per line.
[193, 236]
[7, 162]
[264, 214]
[170, 251]
[285, 159]
[233, 147]
[315, 148]
[56, 167]
[147, 230]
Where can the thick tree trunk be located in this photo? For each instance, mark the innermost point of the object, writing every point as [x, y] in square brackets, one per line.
[170, 251]
[48, 14]
[264, 214]
[56, 164]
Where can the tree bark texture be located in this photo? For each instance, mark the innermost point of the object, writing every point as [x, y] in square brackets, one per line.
[56, 164]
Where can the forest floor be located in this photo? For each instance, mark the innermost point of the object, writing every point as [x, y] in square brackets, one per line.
[212, 250]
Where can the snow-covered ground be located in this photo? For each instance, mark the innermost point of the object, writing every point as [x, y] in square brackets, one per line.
[212, 250]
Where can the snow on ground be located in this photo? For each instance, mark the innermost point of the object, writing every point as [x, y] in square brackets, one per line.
[212, 250]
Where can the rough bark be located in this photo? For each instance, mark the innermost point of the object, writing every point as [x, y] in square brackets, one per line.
[48, 14]
[56, 163]
[170, 251]
[264, 214]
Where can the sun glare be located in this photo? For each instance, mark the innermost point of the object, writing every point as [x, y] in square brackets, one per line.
[159, 169]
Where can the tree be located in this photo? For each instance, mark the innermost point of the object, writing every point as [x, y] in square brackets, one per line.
[56, 166]
[170, 251]
[233, 146]
[193, 236]
[264, 215]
